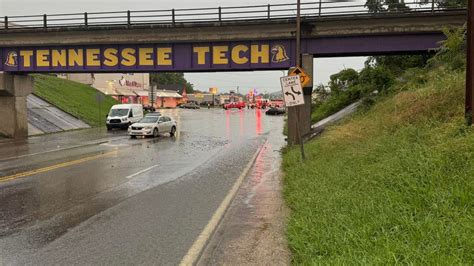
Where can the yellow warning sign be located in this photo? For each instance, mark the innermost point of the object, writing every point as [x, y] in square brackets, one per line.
[305, 79]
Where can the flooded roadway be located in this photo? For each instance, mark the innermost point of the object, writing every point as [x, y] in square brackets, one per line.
[95, 197]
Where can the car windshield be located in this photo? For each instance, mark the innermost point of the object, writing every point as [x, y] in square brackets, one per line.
[118, 112]
[149, 119]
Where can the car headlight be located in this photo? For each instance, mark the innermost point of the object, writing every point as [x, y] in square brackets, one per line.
[147, 128]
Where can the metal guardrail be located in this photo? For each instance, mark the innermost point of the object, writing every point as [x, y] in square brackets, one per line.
[183, 16]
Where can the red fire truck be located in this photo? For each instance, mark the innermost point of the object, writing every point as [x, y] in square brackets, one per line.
[277, 103]
[258, 102]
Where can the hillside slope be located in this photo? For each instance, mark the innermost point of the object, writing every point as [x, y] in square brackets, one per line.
[392, 185]
[74, 98]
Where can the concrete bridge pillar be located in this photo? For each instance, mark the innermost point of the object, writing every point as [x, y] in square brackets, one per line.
[307, 64]
[13, 109]
[302, 113]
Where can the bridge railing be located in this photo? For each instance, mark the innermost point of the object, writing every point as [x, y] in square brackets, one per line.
[211, 15]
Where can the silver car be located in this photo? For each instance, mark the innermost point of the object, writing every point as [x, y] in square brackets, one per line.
[153, 126]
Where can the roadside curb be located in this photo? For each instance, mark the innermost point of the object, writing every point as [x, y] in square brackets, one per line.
[194, 253]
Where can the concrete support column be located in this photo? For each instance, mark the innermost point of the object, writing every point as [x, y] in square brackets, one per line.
[305, 113]
[302, 113]
[13, 110]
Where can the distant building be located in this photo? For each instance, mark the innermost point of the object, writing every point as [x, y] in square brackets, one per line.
[167, 99]
[203, 98]
[220, 99]
[223, 99]
[180, 89]
[130, 81]
[126, 88]
[227, 98]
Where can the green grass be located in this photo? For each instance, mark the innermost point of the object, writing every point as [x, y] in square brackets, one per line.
[393, 185]
[73, 97]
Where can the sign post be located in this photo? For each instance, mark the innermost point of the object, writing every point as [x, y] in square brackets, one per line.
[470, 64]
[293, 96]
[298, 33]
[99, 97]
[301, 113]
[213, 91]
[151, 96]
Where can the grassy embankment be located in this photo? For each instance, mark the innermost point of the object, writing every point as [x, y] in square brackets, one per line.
[332, 106]
[391, 185]
[75, 98]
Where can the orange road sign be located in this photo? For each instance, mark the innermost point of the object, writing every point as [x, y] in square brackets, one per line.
[305, 79]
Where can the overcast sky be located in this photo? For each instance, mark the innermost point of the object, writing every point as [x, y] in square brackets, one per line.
[262, 80]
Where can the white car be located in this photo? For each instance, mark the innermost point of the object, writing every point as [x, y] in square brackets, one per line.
[153, 126]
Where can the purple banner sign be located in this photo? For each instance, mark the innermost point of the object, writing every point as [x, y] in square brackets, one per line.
[206, 57]
[260, 55]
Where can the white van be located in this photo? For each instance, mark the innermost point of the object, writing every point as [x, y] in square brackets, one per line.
[123, 115]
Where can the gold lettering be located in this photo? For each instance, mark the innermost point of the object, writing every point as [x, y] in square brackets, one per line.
[218, 55]
[110, 57]
[236, 58]
[92, 56]
[75, 57]
[26, 54]
[145, 56]
[42, 58]
[128, 57]
[58, 58]
[164, 56]
[260, 54]
[201, 53]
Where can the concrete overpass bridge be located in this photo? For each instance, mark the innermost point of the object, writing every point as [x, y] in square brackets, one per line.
[207, 39]
[336, 35]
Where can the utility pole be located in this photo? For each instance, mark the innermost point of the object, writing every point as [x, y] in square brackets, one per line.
[298, 33]
[294, 128]
[152, 97]
[100, 115]
[470, 64]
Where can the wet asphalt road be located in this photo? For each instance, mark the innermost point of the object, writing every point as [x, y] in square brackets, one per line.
[98, 197]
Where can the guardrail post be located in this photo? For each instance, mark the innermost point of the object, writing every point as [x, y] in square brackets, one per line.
[432, 6]
[320, 7]
[6, 22]
[220, 14]
[268, 11]
[173, 16]
[45, 21]
[129, 22]
[86, 22]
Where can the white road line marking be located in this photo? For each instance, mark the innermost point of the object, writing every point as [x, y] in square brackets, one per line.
[141, 172]
[199, 244]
